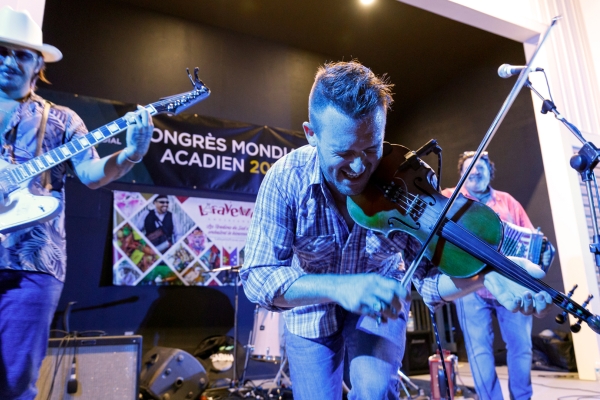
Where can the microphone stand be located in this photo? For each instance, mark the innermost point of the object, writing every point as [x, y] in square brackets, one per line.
[235, 384]
[583, 162]
[441, 218]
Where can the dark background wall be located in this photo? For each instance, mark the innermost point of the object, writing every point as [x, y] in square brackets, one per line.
[121, 52]
[129, 54]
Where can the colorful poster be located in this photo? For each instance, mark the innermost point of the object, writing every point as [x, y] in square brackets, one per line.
[173, 240]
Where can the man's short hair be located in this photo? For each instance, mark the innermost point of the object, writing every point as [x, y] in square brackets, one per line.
[161, 196]
[351, 88]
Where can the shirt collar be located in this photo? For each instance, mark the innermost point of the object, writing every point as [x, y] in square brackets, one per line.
[316, 177]
[34, 97]
[492, 197]
[316, 181]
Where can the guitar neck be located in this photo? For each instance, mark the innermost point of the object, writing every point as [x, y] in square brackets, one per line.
[27, 170]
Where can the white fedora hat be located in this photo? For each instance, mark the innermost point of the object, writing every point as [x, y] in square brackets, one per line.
[18, 28]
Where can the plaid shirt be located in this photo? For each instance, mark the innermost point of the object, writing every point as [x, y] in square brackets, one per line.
[297, 230]
[41, 248]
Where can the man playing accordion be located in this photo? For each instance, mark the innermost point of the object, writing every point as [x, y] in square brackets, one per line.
[476, 309]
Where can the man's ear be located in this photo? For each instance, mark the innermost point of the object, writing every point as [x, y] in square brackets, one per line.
[310, 134]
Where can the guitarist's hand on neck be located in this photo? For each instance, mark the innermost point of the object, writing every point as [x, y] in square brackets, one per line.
[139, 134]
[97, 173]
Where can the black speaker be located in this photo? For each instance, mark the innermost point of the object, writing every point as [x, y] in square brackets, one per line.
[105, 367]
[417, 352]
[171, 374]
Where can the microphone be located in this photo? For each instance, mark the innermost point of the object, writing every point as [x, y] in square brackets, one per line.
[507, 70]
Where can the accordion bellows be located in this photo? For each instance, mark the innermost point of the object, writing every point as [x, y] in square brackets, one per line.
[522, 242]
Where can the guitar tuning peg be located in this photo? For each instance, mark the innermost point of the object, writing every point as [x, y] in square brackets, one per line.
[190, 76]
[572, 290]
[561, 318]
[587, 301]
[576, 327]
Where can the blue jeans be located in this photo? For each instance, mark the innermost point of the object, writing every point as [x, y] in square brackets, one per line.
[27, 304]
[475, 317]
[317, 365]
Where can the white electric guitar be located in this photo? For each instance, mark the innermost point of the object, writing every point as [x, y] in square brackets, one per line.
[19, 208]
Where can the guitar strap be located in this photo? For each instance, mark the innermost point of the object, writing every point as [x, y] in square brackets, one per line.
[46, 181]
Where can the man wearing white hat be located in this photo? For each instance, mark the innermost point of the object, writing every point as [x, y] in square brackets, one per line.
[33, 259]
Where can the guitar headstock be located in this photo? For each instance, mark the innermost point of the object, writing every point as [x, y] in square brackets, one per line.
[179, 102]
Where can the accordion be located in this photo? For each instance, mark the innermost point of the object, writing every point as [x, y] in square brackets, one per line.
[522, 242]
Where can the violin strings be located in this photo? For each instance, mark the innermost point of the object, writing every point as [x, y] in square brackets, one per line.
[509, 270]
[404, 197]
[407, 200]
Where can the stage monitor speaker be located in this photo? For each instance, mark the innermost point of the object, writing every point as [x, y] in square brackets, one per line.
[417, 352]
[106, 367]
[171, 374]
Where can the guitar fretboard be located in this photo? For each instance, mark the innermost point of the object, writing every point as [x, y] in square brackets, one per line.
[27, 170]
[37, 165]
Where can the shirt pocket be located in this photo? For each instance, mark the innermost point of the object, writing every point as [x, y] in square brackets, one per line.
[382, 254]
[316, 254]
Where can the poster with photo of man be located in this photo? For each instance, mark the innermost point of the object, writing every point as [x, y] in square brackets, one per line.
[161, 239]
[158, 224]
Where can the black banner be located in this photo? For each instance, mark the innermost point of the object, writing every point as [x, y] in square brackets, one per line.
[190, 151]
[203, 153]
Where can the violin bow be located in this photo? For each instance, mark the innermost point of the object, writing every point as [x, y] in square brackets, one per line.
[521, 81]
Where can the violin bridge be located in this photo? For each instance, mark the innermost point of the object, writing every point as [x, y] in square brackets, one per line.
[411, 206]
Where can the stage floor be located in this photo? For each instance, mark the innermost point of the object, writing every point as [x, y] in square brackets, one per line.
[546, 385]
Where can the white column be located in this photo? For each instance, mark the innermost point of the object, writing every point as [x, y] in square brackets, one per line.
[35, 7]
[573, 80]
[569, 58]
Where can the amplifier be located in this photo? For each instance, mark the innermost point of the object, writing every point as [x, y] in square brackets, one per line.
[416, 353]
[106, 367]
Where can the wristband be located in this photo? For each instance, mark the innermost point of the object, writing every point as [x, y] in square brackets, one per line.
[130, 160]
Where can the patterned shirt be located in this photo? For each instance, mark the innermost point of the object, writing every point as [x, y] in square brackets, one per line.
[507, 208]
[296, 229]
[41, 248]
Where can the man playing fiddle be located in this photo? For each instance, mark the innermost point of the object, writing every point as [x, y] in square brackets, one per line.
[331, 278]
[33, 260]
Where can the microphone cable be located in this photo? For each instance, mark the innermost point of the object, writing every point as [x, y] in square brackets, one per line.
[61, 352]
[72, 383]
